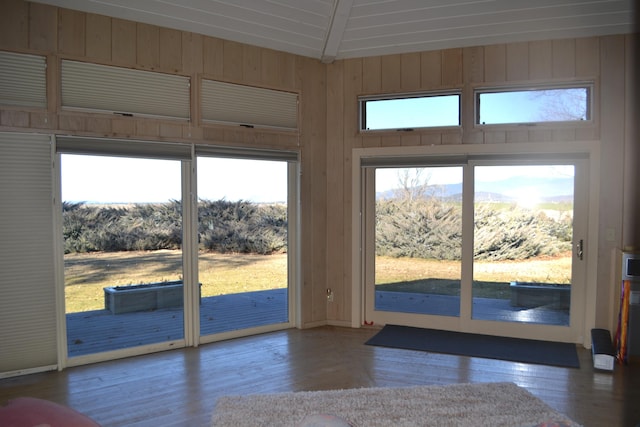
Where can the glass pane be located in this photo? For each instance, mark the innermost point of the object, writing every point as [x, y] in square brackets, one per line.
[418, 240]
[402, 113]
[523, 218]
[534, 106]
[243, 263]
[122, 225]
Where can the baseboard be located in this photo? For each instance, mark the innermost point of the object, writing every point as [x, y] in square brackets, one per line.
[20, 372]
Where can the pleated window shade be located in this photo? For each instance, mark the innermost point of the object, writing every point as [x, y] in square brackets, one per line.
[23, 80]
[102, 88]
[28, 305]
[231, 103]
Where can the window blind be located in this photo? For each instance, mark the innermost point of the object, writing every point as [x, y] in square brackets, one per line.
[27, 305]
[23, 80]
[123, 147]
[103, 88]
[245, 153]
[247, 105]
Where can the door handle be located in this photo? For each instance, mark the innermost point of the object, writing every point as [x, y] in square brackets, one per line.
[580, 250]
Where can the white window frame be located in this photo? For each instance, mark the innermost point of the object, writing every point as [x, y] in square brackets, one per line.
[589, 86]
[362, 100]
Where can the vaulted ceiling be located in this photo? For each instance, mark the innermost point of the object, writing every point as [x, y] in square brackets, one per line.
[338, 29]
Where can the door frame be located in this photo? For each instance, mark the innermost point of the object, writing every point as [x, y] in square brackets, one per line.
[188, 176]
[584, 307]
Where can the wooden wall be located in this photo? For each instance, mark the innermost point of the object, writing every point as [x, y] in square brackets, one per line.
[65, 34]
[602, 60]
[329, 116]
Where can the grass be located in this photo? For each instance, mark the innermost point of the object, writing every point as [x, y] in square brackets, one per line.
[490, 279]
[87, 274]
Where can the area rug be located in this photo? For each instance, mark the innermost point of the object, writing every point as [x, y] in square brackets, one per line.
[475, 345]
[459, 405]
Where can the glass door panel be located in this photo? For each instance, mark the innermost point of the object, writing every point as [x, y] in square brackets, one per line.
[122, 226]
[243, 243]
[418, 240]
[523, 233]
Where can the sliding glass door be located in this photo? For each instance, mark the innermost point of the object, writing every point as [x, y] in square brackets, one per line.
[243, 244]
[123, 268]
[523, 241]
[475, 243]
[418, 240]
[171, 245]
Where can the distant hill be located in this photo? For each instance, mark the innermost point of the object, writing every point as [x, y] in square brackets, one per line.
[549, 190]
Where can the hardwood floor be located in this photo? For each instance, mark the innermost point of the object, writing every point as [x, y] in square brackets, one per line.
[180, 387]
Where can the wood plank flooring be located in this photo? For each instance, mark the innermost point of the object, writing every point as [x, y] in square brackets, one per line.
[180, 387]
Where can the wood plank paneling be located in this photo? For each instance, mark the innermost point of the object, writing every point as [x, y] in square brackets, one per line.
[452, 67]
[170, 53]
[14, 25]
[410, 71]
[495, 63]
[98, 37]
[270, 67]
[540, 60]
[123, 42]
[372, 75]
[213, 57]
[43, 31]
[232, 61]
[564, 58]
[335, 184]
[390, 73]
[431, 69]
[517, 61]
[612, 101]
[148, 46]
[192, 53]
[252, 64]
[71, 32]
[587, 54]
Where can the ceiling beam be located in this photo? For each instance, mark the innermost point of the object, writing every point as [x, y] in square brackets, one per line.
[337, 25]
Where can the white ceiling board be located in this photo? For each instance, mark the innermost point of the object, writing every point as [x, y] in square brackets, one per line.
[328, 29]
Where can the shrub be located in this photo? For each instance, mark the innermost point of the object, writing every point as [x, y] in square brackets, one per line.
[431, 228]
[224, 227]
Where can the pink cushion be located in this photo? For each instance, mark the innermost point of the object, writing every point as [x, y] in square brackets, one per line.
[31, 412]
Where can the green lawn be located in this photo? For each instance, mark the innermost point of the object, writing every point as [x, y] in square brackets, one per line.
[87, 274]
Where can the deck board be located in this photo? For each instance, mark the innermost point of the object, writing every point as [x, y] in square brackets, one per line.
[100, 330]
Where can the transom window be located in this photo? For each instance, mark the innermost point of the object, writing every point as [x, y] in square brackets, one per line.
[408, 111]
[533, 105]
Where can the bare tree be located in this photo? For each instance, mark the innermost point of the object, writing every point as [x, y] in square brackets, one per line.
[413, 184]
[561, 105]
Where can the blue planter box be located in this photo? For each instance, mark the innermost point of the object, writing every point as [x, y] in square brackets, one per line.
[530, 295]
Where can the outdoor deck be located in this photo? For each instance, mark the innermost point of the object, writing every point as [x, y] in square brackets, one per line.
[100, 330]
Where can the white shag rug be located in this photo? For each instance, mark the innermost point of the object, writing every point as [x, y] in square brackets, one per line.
[482, 404]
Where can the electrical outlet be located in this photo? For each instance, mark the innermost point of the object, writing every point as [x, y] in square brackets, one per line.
[610, 234]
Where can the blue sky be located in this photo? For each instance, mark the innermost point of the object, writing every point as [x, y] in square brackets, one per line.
[99, 179]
